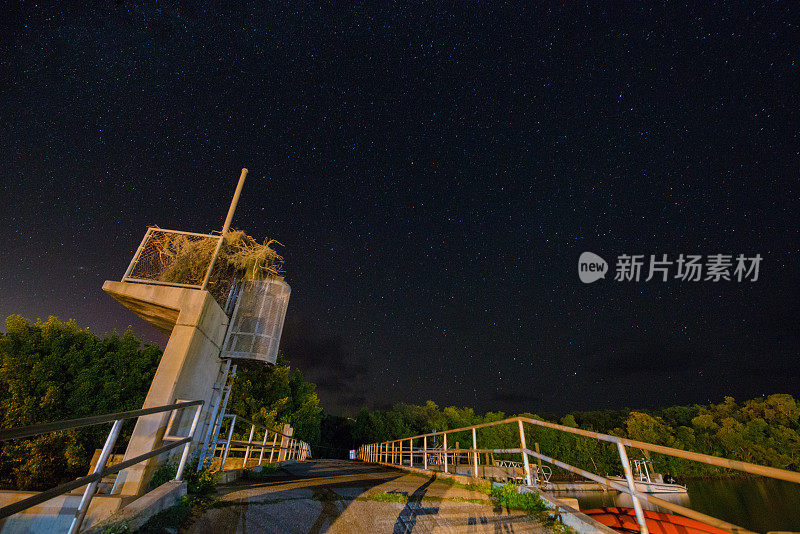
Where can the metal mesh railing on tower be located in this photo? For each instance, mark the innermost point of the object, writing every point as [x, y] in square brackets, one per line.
[182, 259]
[172, 257]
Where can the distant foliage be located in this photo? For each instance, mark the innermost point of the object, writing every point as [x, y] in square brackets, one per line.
[764, 431]
[53, 370]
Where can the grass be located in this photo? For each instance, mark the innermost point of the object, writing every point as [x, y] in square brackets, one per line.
[531, 503]
[267, 470]
[388, 497]
[402, 498]
[508, 496]
[481, 487]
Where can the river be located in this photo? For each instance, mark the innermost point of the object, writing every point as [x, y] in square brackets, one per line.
[757, 504]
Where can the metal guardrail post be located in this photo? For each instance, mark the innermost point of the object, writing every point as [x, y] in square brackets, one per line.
[188, 446]
[247, 450]
[88, 493]
[263, 446]
[425, 453]
[475, 451]
[445, 452]
[637, 506]
[410, 453]
[522, 448]
[272, 451]
[227, 443]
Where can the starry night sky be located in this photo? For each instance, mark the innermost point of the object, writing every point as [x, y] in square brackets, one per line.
[434, 174]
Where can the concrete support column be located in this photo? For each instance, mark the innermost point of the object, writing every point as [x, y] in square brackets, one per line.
[188, 369]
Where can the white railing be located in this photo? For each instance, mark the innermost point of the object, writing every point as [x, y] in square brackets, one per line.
[101, 469]
[287, 448]
[403, 452]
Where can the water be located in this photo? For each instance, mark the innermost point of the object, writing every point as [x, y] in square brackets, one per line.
[757, 504]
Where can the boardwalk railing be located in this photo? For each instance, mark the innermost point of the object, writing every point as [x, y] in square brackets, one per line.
[289, 448]
[406, 451]
[283, 445]
[101, 469]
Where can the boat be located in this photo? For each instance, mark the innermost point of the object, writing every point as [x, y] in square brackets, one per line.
[643, 483]
[624, 520]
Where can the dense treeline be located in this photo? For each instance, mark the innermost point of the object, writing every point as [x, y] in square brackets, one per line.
[762, 430]
[53, 370]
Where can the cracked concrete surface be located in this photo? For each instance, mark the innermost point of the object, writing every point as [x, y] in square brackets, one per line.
[338, 496]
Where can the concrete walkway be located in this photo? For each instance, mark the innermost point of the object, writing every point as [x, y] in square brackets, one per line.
[338, 496]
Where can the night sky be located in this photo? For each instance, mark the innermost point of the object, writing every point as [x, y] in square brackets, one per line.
[434, 174]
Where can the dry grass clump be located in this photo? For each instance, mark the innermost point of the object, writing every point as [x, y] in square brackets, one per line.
[186, 258]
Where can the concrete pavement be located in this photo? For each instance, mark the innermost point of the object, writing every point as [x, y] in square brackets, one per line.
[338, 496]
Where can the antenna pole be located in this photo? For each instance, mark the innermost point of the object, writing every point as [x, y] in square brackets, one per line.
[225, 227]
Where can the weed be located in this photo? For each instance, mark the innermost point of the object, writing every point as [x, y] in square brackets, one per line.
[508, 496]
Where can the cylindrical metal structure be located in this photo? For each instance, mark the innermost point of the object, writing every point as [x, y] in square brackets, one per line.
[257, 322]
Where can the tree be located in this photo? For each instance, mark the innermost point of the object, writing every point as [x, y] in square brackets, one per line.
[275, 395]
[53, 370]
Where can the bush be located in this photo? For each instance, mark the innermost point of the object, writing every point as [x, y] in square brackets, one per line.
[198, 483]
[507, 495]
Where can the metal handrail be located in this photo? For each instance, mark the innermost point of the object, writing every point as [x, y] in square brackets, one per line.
[264, 427]
[289, 448]
[101, 469]
[44, 428]
[388, 454]
[755, 469]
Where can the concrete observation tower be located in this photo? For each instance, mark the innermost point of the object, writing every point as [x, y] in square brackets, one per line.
[221, 298]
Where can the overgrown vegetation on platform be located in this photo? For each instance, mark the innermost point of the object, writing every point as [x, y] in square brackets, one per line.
[240, 254]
